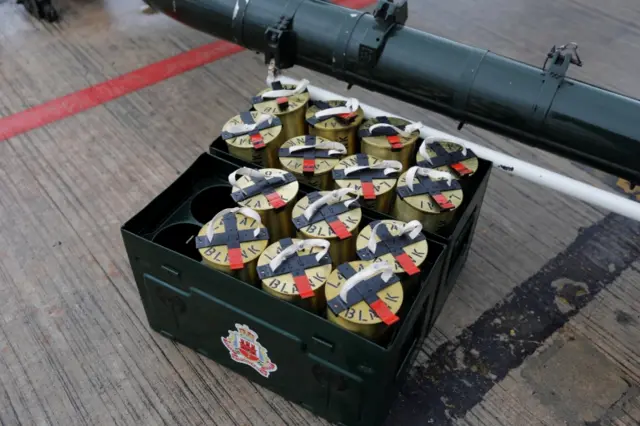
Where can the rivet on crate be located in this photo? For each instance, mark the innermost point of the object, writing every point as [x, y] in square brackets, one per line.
[332, 215]
[337, 121]
[288, 102]
[270, 192]
[296, 270]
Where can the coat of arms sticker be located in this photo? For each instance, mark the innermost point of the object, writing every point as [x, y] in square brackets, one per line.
[244, 348]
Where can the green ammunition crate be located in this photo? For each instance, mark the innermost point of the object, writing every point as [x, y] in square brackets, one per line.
[456, 236]
[307, 359]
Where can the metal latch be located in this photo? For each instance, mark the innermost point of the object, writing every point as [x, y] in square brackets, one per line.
[387, 15]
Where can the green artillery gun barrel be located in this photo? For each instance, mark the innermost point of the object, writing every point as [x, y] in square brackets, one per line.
[540, 107]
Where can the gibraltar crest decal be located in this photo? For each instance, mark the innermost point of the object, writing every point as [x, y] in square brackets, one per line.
[244, 348]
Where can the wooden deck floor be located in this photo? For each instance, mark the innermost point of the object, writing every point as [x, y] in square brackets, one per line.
[75, 348]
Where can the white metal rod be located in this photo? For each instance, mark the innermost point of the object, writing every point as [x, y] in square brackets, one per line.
[570, 187]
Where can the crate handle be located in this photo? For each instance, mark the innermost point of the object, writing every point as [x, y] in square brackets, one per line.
[289, 251]
[364, 274]
[330, 198]
[242, 210]
[333, 147]
[300, 87]
[430, 173]
[350, 107]
[389, 166]
[406, 131]
[412, 228]
[432, 139]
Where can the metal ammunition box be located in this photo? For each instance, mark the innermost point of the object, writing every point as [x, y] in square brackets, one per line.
[456, 236]
[300, 355]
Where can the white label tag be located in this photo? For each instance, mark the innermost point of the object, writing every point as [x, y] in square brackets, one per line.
[244, 348]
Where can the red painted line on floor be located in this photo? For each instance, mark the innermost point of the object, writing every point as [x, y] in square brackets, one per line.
[82, 100]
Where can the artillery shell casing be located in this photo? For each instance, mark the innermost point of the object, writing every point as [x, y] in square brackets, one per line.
[383, 188]
[417, 252]
[470, 163]
[360, 318]
[284, 287]
[336, 130]
[217, 257]
[292, 116]
[277, 221]
[379, 146]
[424, 209]
[242, 147]
[341, 251]
[321, 177]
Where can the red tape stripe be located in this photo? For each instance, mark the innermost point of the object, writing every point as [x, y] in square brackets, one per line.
[443, 202]
[340, 229]
[368, 191]
[235, 258]
[309, 165]
[304, 286]
[394, 141]
[461, 169]
[275, 200]
[407, 264]
[383, 311]
[257, 141]
[74, 103]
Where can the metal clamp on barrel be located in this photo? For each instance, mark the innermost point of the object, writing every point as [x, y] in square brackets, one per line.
[430, 187]
[261, 185]
[364, 286]
[411, 233]
[365, 173]
[559, 58]
[232, 237]
[281, 40]
[289, 261]
[252, 128]
[345, 113]
[312, 150]
[388, 15]
[280, 94]
[384, 128]
[444, 158]
[328, 208]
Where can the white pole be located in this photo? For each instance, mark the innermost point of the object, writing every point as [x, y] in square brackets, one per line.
[570, 187]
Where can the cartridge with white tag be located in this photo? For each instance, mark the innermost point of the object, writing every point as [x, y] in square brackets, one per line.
[232, 242]
[400, 244]
[372, 178]
[254, 137]
[332, 215]
[311, 159]
[390, 138]
[429, 196]
[337, 121]
[288, 102]
[271, 193]
[364, 297]
[296, 270]
[447, 156]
